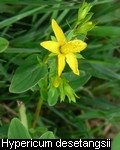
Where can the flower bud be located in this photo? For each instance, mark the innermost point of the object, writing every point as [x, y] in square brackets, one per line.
[56, 81]
[66, 90]
[84, 28]
[69, 92]
[83, 10]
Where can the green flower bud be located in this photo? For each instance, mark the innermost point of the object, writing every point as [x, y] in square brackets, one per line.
[62, 92]
[84, 28]
[66, 90]
[88, 17]
[83, 10]
[70, 93]
[56, 81]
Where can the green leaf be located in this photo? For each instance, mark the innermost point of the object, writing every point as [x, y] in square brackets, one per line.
[105, 31]
[91, 114]
[3, 130]
[17, 130]
[52, 96]
[77, 81]
[13, 19]
[47, 135]
[28, 75]
[3, 44]
[103, 71]
[116, 142]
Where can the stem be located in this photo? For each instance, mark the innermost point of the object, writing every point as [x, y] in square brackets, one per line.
[37, 112]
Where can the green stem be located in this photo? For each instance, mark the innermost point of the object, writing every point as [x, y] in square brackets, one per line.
[37, 112]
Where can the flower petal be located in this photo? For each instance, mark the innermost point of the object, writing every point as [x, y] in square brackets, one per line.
[72, 62]
[76, 45]
[58, 32]
[61, 63]
[51, 46]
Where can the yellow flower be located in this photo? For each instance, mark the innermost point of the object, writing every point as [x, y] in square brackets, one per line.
[64, 49]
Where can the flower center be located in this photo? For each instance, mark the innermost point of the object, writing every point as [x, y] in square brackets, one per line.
[65, 48]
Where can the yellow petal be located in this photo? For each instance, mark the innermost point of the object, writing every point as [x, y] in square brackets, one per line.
[72, 62]
[61, 64]
[58, 32]
[51, 46]
[76, 45]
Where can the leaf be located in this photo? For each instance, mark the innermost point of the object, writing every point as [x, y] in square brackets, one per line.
[47, 135]
[91, 114]
[13, 19]
[100, 70]
[77, 81]
[103, 71]
[116, 142]
[3, 130]
[3, 44]
[52, 96]
[17, 130]
[103, 31]
[28, 75]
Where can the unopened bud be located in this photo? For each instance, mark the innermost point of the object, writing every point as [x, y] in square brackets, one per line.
[56, 81]
[84, 28]
[83, 10]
